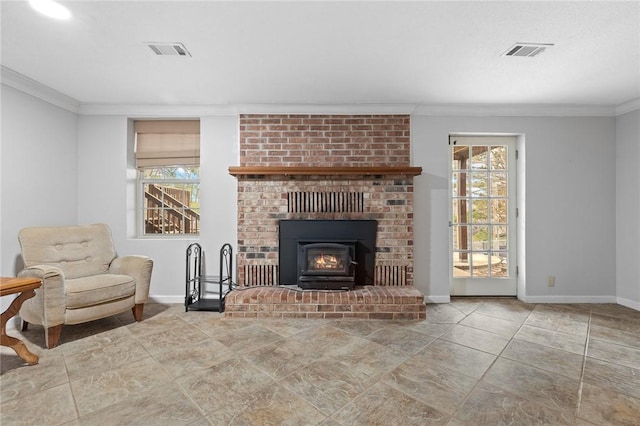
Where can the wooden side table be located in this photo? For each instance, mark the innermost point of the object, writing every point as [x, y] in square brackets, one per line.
[26, 287]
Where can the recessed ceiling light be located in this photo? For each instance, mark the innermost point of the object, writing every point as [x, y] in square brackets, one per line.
[527, 50]
[51, 9]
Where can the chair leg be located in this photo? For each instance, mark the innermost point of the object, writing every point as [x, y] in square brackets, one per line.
[137, 311]
[52, 335]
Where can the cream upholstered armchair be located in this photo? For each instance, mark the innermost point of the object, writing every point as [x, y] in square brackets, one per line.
[82, 279]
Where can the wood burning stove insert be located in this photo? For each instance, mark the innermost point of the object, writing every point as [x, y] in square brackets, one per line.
[326, 265]
[327, 254]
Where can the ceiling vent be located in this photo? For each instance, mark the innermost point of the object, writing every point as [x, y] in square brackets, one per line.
[168, 49]
[527, 50]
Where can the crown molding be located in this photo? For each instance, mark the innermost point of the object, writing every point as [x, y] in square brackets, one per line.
[204, 110]
[27, 85]
[515, 110]
[478, 110]
[626, 107]
[31, 87]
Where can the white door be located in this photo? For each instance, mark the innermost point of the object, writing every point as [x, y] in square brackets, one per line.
[483, 216]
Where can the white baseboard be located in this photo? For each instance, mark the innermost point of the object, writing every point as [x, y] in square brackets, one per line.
[437, 299]
[569, 299]
[629, 303]
[167, 299]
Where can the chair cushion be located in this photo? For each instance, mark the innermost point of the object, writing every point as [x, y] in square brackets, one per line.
[97, 289]
[79, 251]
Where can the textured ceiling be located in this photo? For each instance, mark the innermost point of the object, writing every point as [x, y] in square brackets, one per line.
[346, 52]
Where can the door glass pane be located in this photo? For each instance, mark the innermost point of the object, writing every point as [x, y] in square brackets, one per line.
[480, 211]
[479, 184]
[480, 158]
[460, 211]
[479, 237]
[498, 158]
[499, 210]
[499, 238]
[459, 185]
[479, 264]
[499, 266]
[498, 184]
[460, 237]
[460, 157]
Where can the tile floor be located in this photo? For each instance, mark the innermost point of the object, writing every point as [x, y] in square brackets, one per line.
[472, 362]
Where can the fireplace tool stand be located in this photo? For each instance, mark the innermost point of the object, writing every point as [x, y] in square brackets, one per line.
[207, 292]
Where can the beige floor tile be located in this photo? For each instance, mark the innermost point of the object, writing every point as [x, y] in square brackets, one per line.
[442, 313]
[384, 405]
[477, 339]
[327, 384]
[490, 405]
[103, 358]
[502, 327]
[552, 390]
[430, 329]
[401, 339]
[201, 369]
[618, 354]
[466, 305]
[50, 407]
[359, 327]
[288, 327]
[181, 336]
[611, 309]
[271, 405]
[442, 389]
[198, 357]
[619, 378]
[601, 405]
[156, 324]
[27, 380]
[546, 358]
[622, 331]
[443, 354]
[160, 406]
[247, 339]
[370, 358]
[507, 309]
[570, 322]
[554, 339]
[325, 338]
[95, 392]
[281, 358]
[222, 383]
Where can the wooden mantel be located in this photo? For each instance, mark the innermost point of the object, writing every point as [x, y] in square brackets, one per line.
[325, 171]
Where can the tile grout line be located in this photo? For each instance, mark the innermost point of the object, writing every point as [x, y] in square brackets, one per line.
[584, 363]
[465, 399]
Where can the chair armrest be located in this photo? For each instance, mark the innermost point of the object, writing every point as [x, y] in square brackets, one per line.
[48, 306]
[138, 267]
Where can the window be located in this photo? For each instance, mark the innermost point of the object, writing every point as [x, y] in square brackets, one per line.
[168, 163]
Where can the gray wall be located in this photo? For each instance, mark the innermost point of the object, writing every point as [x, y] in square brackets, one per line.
[38, 170]
[570, 203]
[628, 209]
[66, 168]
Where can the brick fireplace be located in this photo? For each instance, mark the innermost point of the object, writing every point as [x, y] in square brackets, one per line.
[324, 167]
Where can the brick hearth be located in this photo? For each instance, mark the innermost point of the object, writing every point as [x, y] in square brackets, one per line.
[368, 302]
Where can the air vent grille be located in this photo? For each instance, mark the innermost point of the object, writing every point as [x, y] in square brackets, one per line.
[527, 50]
[168, 49]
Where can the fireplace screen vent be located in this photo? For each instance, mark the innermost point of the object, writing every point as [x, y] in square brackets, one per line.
[325, 202]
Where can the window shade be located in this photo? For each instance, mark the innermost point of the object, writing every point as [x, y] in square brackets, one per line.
[167, 143]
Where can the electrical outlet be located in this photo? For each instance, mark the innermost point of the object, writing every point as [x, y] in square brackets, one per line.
[551, 281]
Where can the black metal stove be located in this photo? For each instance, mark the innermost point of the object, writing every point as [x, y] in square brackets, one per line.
[326, 265]
[327, 254]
